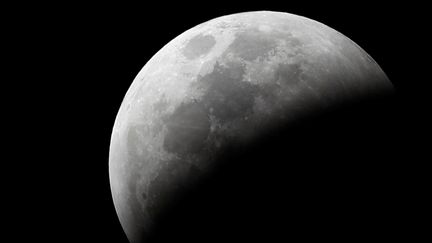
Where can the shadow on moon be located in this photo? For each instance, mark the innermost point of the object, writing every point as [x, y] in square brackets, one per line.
[327, 176]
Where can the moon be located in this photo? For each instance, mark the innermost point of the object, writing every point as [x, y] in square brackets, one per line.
[219, 85]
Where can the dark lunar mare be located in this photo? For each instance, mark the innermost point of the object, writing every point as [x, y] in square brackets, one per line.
[228, 97]
[251, 44]
[199, 45]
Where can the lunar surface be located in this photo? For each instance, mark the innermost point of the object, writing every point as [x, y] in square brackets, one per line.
[219, 85]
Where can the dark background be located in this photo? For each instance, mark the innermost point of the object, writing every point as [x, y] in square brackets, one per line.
[81, 59]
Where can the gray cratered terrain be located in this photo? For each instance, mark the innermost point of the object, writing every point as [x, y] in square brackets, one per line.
[224, 82]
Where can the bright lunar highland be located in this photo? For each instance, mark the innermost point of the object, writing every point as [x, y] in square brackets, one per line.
[222, 83]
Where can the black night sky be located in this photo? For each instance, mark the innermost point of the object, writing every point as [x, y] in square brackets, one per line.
[89, 55]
